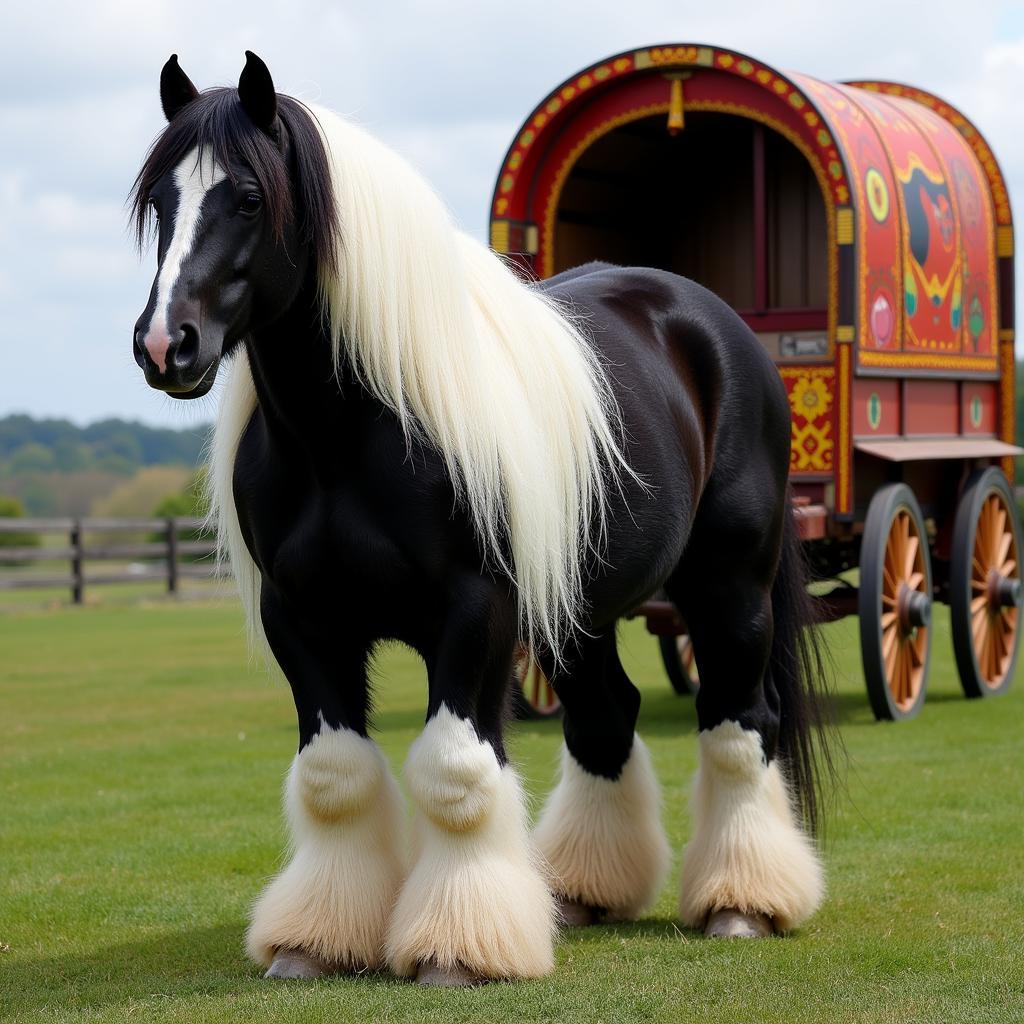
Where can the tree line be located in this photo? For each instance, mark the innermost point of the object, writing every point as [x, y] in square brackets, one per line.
[57, 468]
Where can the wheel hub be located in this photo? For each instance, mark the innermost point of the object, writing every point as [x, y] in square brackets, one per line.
[1003, 591]
[915, 609]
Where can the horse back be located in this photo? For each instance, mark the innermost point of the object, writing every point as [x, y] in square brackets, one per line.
[705, 416]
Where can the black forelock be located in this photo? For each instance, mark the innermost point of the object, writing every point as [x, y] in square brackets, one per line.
[216, 120]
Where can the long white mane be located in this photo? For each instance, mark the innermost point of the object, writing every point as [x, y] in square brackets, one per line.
[500, 381]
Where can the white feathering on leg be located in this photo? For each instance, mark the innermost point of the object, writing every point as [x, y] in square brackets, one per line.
[475, 897]
[603, 838]
[747, 851]
[334, 898]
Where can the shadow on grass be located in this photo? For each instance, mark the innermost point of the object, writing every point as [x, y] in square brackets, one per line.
[209, 963]
[171, 964]
[855, 708]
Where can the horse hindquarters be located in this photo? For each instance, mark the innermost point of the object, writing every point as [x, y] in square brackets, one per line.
[748, 857]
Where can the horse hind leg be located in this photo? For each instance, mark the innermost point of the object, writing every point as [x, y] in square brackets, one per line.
[326, 912]
[600, 831]
[475, 906]
[749, 869]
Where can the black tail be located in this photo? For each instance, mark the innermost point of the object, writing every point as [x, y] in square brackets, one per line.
[798, 671]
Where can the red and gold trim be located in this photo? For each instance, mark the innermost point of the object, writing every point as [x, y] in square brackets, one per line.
[540, 129]
[1007, 399]
[844, 491]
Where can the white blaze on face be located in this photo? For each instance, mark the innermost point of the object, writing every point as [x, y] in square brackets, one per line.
[193, 177]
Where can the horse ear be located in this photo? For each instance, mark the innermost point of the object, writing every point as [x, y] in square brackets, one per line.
[256, 91]
[176, 88]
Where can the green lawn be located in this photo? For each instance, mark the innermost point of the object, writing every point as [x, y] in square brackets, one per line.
[140, 767]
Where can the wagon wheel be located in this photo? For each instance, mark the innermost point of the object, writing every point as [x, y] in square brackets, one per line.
[534, 696]
[680, 664]
[985, 584]
[895, 603]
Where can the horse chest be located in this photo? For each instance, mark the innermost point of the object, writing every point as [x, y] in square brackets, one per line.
[336, 544]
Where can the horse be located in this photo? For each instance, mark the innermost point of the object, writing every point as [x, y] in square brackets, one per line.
[415, 443]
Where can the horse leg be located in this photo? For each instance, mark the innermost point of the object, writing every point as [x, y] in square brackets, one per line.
[327, 911]
[600, 830]
[749, 869]
[474, 906]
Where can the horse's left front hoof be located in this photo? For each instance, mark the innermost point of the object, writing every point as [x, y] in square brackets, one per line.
[296, 963]
[432, 974]
[734, 924]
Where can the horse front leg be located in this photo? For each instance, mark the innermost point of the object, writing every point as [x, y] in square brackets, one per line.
[327, 911]
[475, 905]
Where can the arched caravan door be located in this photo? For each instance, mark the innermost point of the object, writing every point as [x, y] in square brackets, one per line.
[725, 201]
[716, 166]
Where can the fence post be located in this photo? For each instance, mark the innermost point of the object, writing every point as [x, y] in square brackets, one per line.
[172, 555]
[78, 576]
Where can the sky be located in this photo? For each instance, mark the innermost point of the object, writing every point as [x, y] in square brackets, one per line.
[445, 82]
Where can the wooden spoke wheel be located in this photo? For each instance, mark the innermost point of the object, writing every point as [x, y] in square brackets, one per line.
[534, 697]
[985, 584]
[680, 664]
[895, 603]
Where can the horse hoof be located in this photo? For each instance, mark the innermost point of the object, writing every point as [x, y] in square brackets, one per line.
[430, 973]
[294, 963]
[733, 924]
[573, 914]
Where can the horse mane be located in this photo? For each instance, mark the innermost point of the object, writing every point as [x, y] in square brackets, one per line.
[488, 370]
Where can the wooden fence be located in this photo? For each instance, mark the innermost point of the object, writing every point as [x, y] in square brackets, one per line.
[168, 559]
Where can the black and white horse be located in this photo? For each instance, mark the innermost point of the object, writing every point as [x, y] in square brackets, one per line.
[413, 443]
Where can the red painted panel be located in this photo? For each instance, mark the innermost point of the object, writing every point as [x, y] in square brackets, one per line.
[876, 407]
[931, 407]
[978, 408]
[974, 294]
[927, 208]
[879, 277]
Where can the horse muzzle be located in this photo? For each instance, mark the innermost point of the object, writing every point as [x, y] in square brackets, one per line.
[179, 361]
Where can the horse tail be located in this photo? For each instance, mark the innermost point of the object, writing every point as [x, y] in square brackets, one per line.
[797, 669]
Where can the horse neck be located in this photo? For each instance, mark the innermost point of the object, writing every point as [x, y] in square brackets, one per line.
[306, 403]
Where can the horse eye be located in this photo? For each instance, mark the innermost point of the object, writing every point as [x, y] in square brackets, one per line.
[251, 203]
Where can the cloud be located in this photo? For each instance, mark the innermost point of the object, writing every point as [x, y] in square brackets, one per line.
[446, 82]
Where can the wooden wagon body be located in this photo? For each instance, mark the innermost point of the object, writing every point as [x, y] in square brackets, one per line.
[863, 231]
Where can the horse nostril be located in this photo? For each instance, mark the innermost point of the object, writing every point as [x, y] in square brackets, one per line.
[137, 349]
[186, 352]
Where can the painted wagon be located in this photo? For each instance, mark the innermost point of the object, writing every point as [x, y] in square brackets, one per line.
[863, 231]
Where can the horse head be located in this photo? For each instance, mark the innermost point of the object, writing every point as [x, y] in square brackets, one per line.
[233, 232]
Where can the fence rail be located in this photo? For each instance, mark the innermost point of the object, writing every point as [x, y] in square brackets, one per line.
[166, 554]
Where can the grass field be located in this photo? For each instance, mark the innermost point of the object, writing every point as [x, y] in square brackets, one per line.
[140, 766]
